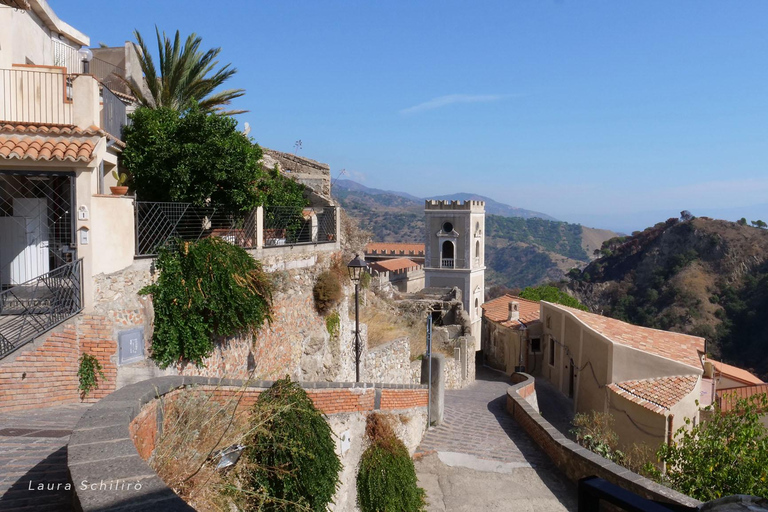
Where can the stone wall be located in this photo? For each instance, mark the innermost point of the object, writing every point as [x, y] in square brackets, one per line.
[310, 173]
[390, 362]
[575, 461]
[127, 425]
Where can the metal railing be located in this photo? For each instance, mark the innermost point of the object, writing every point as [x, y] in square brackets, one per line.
[35, 96]
[159, 222]
[108, 73]
[30, 309]
[66, 56]
[113, 114]
[285, 225]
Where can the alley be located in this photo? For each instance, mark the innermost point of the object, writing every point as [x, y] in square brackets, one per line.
[479, 459]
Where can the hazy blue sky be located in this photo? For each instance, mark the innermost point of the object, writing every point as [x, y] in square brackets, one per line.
[614, 114]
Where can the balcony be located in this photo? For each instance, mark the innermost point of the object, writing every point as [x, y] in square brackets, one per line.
[446, 263]
[51, 95]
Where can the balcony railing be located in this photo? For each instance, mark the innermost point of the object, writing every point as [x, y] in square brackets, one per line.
[107, 73]
[446, 263]
[28, 310]
[35, 96]
[66, 56]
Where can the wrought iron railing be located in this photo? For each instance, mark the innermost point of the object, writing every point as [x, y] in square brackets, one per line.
[285, 225]
[35, 96]
[158, 222]
[113, 114]
[28, 310]
[66, 56]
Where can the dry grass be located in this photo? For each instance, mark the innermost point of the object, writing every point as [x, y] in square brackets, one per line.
[195, 426]
[387, 323]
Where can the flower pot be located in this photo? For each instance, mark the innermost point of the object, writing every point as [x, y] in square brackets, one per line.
[118, 191]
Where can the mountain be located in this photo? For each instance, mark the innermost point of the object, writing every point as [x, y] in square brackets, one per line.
[495, 208]
[520, 251]
[699, 276]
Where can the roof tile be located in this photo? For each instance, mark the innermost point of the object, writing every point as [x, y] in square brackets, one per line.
[497, 310]
[48, 142]
[676, 346]
[656, 394]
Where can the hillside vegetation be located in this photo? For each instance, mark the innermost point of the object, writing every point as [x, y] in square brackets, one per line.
[698, 276]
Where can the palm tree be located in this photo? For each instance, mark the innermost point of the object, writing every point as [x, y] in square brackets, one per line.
[183, 75]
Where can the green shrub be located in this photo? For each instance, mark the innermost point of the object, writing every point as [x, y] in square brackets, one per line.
[292, 456]
[386, 479]
[205, 289]
[327, 291]
[594, 431]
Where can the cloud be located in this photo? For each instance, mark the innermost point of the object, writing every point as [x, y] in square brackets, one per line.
[450, 99]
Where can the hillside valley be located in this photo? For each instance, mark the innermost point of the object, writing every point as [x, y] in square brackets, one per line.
[699, 276]
[523, 247]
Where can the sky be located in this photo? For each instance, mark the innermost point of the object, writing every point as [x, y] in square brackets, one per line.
[612, 114]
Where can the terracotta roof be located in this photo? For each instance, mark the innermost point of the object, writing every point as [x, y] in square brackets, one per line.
[735, 373]
[682, 348]
[48, 142]
[395, 249]
[657, 395]
[726, 398]
[396, 264]
[497, 310]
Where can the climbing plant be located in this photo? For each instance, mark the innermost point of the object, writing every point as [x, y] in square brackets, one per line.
[205, 290]
[88, 373]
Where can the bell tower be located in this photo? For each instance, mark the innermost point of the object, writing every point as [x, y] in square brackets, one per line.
[455, 253]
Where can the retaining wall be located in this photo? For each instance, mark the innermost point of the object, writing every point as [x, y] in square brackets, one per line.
[573, 460]
[113, 440]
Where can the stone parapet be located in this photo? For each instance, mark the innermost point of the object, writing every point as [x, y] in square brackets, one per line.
[575, 461]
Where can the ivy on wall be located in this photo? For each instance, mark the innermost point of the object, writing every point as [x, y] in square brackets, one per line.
[205, 290]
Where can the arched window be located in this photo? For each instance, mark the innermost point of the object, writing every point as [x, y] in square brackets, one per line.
[447, 256]
[477, 249]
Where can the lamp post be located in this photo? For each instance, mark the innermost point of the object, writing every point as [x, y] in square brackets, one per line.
[356, 268]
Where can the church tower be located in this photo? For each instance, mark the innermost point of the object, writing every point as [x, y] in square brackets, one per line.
[455, 253]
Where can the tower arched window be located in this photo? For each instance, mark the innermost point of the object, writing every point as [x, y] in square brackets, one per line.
[447, 257]
[477, 249]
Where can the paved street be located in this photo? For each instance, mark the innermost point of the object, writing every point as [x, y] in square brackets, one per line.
[481, 460]
[33, 450]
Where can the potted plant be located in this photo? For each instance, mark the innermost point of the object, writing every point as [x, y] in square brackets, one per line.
[121, 189]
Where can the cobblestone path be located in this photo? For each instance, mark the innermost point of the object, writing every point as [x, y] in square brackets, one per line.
[477, 425]
[33, 450]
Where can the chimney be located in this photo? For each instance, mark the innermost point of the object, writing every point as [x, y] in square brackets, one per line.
[514, 311]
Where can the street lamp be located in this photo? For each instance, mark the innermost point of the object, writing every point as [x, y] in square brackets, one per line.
[356, 268]
[85, 57]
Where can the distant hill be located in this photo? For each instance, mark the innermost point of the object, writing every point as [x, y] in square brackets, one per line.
[520, 251]
[698, 276]
[495, 208]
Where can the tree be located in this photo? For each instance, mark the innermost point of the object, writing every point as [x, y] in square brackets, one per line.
[191, 156]
[185, 75]
[724, 455]
[742, 221]
[685, 215]
[552, 294]
[759, 224]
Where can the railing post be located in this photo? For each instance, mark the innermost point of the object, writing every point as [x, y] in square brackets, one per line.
[259, 227]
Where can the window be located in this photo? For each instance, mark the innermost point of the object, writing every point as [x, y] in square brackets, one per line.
[536, 345]
[447, 227]
[477, 249]
[551, 351]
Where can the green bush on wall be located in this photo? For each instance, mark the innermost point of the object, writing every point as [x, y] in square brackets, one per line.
[386, 479]
[327, 291]
[292, 455]
[205, 289]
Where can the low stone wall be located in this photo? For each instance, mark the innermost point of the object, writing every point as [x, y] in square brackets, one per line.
[573, 460]
[110, 445]
[390, 362]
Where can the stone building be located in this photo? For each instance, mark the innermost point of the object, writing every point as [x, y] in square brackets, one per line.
[455, 253]
[511, 336]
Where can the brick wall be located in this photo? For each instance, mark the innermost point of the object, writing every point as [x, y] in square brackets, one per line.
[575, 461]
[47, 373]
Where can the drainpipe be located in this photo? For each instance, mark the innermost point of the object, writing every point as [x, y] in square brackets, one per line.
[670, 420]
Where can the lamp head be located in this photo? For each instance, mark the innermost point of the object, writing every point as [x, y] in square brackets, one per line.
[356, 268]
